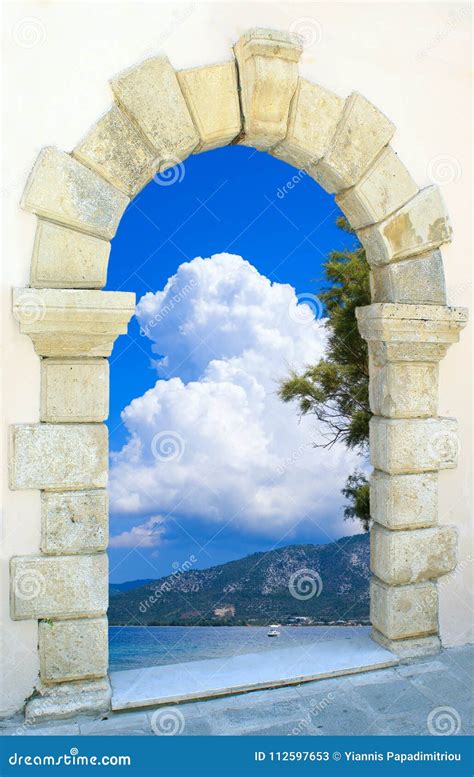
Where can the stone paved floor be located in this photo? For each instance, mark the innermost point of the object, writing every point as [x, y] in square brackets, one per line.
[431, 695]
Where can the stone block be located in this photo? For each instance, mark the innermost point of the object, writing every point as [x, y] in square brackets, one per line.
[384, 188]
[58, 457]
[150, 96]
[313, 119]
[403, 389]
[404, 611]
[212, 97]
[74, 390]
[268, 75]
[58, 586]
[115, 150]
[61, 189]
[413, 445]
[73, 649]
[417, 647]
[362, 133]
[422, 225]
[412, 333]
[64, 258]
[65, 700]
[72, 322]
[411, 281]
[74, 522]
[402, 557]
[404, 501]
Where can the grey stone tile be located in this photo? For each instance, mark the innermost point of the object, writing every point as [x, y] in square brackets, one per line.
[66, 730]
[120, 723]
[398, 696]
[371, 678]
[419, 667]
[442, 688]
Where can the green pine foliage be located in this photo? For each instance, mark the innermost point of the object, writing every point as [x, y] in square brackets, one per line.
[336, 390]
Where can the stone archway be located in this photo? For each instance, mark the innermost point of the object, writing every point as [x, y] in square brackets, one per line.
[159, 117]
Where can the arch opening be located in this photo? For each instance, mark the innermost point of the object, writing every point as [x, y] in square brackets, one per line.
[79, 199]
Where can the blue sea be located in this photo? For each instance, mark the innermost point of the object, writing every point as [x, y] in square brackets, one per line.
[135, 646]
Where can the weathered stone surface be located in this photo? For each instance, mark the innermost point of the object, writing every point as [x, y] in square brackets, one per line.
[115, 149]
[150, 96]
[404, 501]
[384, 188]
[403, 389]
[417, 647]
[61, 189]
[411, 281]
[58, 457]
[55, 702]
[268, 75]
[416, 333]
[420, 226]
[402, 557]
[63, 257]
[213, 101]
[74, 390]
[362, 133]
[74, 522]
[413, 445]
[58, 586]
[313, 119]
[404, 611]
[72, 322]
[73, 649]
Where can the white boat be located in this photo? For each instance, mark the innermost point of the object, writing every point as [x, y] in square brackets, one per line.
[274, 631]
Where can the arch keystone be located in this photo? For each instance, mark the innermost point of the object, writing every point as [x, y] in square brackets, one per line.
[268, 75]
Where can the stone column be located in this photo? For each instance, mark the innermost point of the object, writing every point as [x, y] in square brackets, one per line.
[409, 444]
[66, 457]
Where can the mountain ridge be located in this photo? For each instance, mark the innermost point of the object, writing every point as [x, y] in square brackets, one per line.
[296, 583]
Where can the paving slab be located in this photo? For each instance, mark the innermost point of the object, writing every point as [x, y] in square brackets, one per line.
[153, 686]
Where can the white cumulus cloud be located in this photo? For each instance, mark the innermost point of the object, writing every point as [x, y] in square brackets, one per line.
[145, 535]
[211, 439]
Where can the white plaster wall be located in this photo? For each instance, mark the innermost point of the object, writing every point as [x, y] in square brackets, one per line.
[411, 60]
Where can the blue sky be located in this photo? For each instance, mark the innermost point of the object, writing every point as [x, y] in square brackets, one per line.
[230, 201]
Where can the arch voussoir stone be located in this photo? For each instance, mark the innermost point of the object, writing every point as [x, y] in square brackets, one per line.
[158, 119]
